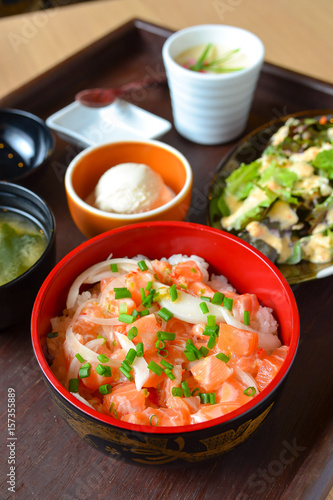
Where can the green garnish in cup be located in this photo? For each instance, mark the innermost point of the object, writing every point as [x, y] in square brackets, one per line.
[205, 63]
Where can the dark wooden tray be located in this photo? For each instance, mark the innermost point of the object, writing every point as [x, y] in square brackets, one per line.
[291, 455]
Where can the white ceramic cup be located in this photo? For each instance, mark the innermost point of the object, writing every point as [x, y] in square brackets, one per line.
[212, 108]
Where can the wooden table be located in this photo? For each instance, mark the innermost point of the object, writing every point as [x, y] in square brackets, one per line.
[52, 462]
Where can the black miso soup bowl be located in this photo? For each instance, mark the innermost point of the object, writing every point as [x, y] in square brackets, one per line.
[26, 144]
[17, 296]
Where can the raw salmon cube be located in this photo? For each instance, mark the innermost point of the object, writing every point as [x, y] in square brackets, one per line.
[210, 373]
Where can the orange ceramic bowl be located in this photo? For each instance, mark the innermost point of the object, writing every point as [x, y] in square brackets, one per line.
[86, 169]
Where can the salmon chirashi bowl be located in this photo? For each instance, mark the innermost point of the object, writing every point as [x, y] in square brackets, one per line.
[164, 342]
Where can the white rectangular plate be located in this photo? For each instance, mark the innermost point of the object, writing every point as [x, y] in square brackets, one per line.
[120, 121]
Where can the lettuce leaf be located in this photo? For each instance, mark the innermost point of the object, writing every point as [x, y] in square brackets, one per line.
[240, 182]
[324, 162]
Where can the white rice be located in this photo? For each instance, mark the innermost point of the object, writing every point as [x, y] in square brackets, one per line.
[220, 283]
[264, 321]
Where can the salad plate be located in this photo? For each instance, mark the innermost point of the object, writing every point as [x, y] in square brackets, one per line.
[243, 158]
[119, 121]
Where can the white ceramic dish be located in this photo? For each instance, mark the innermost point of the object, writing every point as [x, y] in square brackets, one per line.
[212, 108]
[93, 126]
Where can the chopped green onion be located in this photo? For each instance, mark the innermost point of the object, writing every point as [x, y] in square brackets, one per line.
[107, 371]
[211, 330]
[169, 374]
[145, 312]
[84, 371]
[143, 294]
[154, 420]
[186, 389]
[222, 357]
[218, 298]
[247, 318]
[132, 332]
[122, 293]
[101, 337]
[52, 335]
[195, 392]
[103, 358]
[130, 356]
[165, 314]
[113, 410]
[177, 391]
[204, 351]
[212, 398]
[250, 391]
[79, 357]
[211, 342]
[149, 285]
[193, 270]
[105, 389]
[193, 348]
[135, 314]
[126, 318]
[190, 355]
[123, 308]
[125, 364]
[142, 265]
[227, 303]
[100, 369]
[155, 368]
[73, 385]
[126, 373]
[166, 335]
[206, 299]
[173, 292]
[204, 308]
[114, 268]
[139, 349]
[204, 397]
[166, 364]
[147, 300]
[164, 353]
[160, 344]
[211, 320]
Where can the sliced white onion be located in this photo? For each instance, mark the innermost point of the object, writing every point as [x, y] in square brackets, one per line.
[101, 321]
[90, 274]
[73, 370]
[80, 398]
[94, 344]
[245, 378]
[140, 366]
[76, 347]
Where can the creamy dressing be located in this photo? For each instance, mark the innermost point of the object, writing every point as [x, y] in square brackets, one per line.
[313, 184]
[301, 169]
[280, 135]
[281, 245]
[318, 249]
[255, 197]
[282, 213]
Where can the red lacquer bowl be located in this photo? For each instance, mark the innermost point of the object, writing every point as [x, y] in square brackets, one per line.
[247, 270]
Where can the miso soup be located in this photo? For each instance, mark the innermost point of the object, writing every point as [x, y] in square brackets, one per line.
[22, 242]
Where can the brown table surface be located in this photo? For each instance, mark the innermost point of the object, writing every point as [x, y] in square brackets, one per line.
[291, 454]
